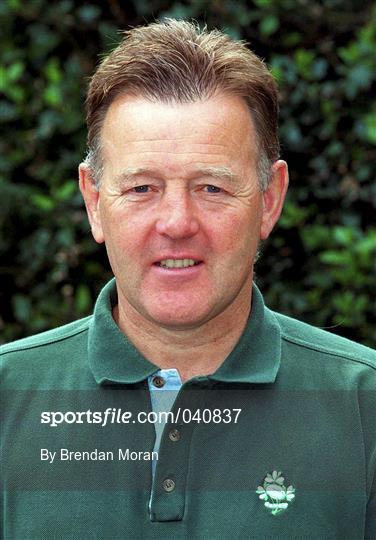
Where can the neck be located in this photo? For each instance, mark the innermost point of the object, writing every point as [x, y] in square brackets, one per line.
[194, 351]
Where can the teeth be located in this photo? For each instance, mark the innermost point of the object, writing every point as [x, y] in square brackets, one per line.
[177, 263]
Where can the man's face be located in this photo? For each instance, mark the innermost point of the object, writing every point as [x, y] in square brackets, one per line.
[179, 207]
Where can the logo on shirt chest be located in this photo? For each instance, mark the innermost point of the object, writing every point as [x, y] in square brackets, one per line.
[276, 495]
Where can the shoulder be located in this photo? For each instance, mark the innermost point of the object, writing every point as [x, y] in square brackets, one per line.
[54, 347]
[51, 338]
[51, 359]
[318, 343]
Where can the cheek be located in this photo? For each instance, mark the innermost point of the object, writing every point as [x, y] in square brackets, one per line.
[129, 244]
[120, 226]
[237, 232]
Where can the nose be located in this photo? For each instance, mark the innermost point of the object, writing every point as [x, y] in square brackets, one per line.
[177, 216]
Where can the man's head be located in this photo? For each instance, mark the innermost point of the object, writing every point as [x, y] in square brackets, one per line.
[179, 205]
[176, 62]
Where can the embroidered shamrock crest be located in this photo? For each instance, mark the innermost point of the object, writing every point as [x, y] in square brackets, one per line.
[276, 496]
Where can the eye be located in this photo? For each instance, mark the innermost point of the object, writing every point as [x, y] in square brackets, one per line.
[141, 189]
[212, 189]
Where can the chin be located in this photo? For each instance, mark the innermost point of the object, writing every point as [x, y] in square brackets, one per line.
[175, 309]
[177, 319]
[179, 323]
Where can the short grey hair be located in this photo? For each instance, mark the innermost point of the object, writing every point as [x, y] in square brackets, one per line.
[177, 62]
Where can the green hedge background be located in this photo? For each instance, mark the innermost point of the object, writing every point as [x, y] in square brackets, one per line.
[320, 262]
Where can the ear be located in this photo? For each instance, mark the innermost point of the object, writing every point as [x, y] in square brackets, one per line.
[91, 197]
[273, 197]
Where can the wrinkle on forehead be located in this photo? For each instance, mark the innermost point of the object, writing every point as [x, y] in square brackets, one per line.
[179, 140]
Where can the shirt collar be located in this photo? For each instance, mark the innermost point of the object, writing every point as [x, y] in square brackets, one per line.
[257, 355]
[114, 359]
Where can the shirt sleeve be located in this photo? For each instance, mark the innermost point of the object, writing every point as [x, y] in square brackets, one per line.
[367, 409]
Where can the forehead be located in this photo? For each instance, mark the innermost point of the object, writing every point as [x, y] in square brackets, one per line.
[219, 128]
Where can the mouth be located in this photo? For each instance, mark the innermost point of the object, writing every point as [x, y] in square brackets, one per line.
[177, 263]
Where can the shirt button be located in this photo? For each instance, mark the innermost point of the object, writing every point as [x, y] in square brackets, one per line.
[168, 485]
[158, 381]
[174, 435]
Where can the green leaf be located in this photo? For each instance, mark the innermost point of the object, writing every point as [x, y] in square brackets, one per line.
[304, 60]
[65, 191]
[269, 25]
[291, 39]
[370, 127]
[343, 235]
[335, 258]
[53, 71]
[14, 4]
[3, 78]
[263, 3]
[293, 215]
[82, 299]
[52, 95]
[22, 307]
[15, 71]
[43, 202]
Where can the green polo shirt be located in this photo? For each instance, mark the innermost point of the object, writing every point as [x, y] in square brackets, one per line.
[279, 442]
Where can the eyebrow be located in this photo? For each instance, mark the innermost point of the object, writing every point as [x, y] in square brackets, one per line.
[221, 173]
[129, 173]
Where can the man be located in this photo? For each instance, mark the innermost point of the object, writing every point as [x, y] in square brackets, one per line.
[272, 429]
